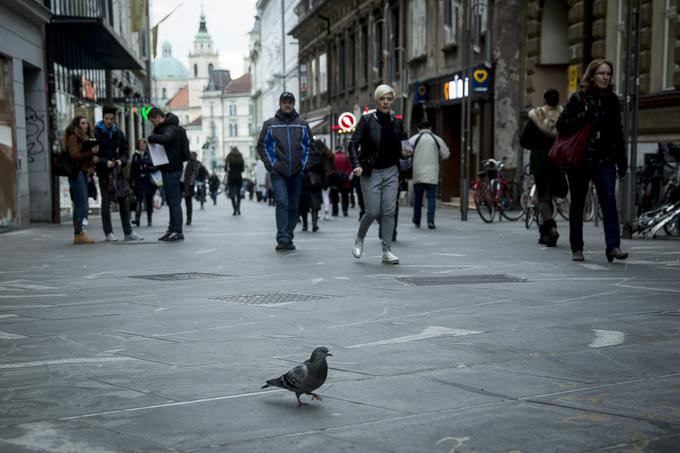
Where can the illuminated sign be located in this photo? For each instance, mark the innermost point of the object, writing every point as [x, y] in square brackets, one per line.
[456, 88]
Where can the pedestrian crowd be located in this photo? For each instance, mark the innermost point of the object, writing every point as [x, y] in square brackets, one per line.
[570, 146]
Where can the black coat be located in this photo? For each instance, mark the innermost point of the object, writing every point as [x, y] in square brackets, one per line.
[140, 170]
[234, 174]
[171, 135]
[365, 142]
[113, 145]
[606, 144]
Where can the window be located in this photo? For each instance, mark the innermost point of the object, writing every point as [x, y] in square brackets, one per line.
[210, 68]
[195, 70]
[670, 42]
[235, 109]
[352, 58]
[451, 21]
[165, 93]
[311, 76]
[231, 130]
[323, 71]
[395, 61]
[619, 63]
[342, 67]
[480, 15]
[235, 130]
[364, 53]
[418, 30]
[378, 44]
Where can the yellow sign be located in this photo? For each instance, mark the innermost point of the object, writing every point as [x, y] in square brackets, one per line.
[480, 75]
[573, 73]
[422, 90]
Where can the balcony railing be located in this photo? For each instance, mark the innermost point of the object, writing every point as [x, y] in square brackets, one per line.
[79, 8]
[304, 7]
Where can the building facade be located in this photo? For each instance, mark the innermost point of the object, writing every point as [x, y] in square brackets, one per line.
[226, 119]
[417, 47]
[579, 31]
[25, 165]
[52, 69]
[169, 76]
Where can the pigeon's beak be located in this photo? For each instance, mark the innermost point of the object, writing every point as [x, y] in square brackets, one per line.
[329, 354]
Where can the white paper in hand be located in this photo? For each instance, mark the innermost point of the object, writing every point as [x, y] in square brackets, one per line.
[158, 154]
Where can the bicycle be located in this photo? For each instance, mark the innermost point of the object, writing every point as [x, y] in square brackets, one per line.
[492, 192]
[530, 200]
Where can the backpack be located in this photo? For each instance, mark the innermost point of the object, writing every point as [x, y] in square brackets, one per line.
[184, 145]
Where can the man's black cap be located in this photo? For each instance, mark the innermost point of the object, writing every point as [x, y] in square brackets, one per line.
[287, 95]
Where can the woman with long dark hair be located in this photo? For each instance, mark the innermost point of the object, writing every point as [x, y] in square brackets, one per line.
[234, 165]
[604, 157]
[374, 150]
[142, 185]
[77, 134]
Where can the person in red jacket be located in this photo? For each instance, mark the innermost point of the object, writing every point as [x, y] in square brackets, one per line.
[341, 183]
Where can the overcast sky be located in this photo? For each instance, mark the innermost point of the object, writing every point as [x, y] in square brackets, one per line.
[228, 21]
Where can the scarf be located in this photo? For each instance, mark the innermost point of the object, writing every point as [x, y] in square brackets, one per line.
[545, 118]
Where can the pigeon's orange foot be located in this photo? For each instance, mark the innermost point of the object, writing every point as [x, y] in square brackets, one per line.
[316, 397]
[300, 403]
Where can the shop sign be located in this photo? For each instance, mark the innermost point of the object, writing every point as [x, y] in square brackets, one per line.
[480, 79]
[456, 88]
[347, 121]
[573, 73]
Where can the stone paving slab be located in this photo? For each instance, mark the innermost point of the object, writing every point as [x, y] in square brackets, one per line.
[576, 357]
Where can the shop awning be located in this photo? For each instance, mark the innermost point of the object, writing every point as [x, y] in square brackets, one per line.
[317, 124]
[99, 40]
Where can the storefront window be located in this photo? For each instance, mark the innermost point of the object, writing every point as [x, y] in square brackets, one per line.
[8, 153]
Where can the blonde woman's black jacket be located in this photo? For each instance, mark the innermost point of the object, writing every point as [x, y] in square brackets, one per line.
[606, 144]
[365, 142]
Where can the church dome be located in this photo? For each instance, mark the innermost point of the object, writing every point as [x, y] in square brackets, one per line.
[167, 67]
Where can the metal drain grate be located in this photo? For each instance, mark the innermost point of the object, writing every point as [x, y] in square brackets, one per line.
[460, 280]
[270, 298]
[181, 276]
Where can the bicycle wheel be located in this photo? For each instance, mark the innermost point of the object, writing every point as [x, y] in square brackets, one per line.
[672, 228]
[484, 201]
[509, 207]
[562, 205]
[589, 207]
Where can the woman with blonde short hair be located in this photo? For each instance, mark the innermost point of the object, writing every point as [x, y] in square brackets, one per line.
[375, 149]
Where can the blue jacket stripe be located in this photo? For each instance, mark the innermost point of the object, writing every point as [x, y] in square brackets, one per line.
[270, 146]
[305, 147]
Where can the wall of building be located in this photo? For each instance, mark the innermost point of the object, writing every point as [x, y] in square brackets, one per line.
[22, 43]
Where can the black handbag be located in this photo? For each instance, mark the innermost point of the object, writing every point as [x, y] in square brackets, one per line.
[65, 166]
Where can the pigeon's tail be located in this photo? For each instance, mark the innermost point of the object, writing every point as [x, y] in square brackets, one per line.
[278, 382]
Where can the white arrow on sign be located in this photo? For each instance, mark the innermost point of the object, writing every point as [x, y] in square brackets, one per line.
[430, 332]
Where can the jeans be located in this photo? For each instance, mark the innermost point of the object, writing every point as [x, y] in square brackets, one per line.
[287, 196]
[605, 183]
[173, 196]
[79, 196]
[380, 197]
[188, 204]
[418, 190]
[235, 196]
[123, 209]
[336, 195]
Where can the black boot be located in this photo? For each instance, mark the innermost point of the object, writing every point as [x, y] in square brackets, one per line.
[315, 220]
[138, 213]
[550, 233]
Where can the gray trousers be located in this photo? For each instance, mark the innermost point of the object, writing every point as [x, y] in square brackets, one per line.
[379, 192]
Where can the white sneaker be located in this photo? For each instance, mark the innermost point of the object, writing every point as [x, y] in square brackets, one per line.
[390, 258]
[358, 247]
[111, 238]
[325, 215]
[84, 222]
[133, 237]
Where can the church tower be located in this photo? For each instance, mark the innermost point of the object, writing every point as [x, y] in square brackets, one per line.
[202, 60]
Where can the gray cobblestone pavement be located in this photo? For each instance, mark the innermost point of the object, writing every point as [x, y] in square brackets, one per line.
[432, 355]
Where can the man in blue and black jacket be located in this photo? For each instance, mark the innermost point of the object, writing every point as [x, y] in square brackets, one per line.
[283, 146]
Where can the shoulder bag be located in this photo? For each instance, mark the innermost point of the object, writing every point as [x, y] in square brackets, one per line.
[568, 151]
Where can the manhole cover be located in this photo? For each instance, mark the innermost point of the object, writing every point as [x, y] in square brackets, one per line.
[180, 276]
[270, 298]
[460, 280]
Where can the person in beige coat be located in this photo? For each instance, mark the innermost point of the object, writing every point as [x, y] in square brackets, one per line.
[429, 150]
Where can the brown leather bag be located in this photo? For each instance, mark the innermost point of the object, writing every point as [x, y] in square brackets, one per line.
[568, 151]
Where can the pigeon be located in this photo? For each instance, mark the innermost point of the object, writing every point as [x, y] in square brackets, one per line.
[306, 377]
